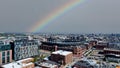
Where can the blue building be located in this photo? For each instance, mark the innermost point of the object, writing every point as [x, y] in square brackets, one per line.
[24, 48]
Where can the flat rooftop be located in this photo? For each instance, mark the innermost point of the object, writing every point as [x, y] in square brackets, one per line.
[111, 49]
[44, 64]
[17, 64]
[61, 52]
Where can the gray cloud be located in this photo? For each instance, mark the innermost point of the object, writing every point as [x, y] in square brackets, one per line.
[91, 16]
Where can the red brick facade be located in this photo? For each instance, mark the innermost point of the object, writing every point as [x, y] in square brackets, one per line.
[62, 59]
[111, 51]
[77, 51]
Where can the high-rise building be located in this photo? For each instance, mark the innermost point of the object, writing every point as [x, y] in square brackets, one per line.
[24, 48]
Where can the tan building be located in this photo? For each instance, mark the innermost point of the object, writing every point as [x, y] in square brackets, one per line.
[62, 57]
[25, 63]
[5, 56]
[5, 53]
[79, 50]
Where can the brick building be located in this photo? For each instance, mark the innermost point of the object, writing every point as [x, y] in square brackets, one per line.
[93, 43]
[101, 45]
[77, 50]
[62, 57]
[112, 52]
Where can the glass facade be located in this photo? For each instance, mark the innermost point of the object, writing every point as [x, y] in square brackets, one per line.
[5, 47]
[26, 49]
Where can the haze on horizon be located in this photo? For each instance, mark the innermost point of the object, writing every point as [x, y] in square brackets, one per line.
[99, 16]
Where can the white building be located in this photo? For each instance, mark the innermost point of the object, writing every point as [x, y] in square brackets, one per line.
[25, 63]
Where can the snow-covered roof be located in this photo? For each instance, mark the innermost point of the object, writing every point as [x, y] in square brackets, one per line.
[61, 52]
[17, 64]
[91, 62]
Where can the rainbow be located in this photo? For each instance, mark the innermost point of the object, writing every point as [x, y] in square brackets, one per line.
[54, 15]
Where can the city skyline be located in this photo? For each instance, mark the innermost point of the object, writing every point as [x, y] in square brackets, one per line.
[89, 17]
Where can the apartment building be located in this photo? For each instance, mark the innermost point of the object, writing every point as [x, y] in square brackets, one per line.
[5, 53]
[24, 48]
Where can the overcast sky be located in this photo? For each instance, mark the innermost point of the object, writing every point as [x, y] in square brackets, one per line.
[89, 17]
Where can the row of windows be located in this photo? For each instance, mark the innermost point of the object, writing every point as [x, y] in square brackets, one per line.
[26, 49]
[3, 53]
[5, 47]
[3, 59]
[26, 52]
[21, 43]
[21, 56]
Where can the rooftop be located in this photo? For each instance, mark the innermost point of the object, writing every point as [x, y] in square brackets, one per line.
[61, 52]
[86, 62]
[47, 65]
[111, 49]
[18, 64]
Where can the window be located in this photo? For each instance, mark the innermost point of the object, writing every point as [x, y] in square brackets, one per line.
[3, 54]
[8, 59]
[8, 53]
[3, 47]
[33, 43]
[3, 60]
[30, 43]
